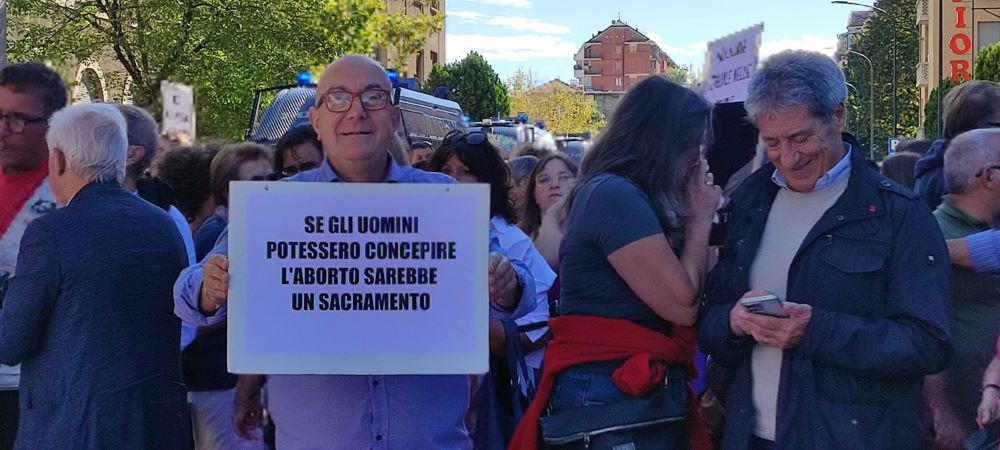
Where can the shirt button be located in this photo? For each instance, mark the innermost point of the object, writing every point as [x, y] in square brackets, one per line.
[840, 217]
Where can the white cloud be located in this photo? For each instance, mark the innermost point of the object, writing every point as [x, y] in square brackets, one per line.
[526, 24]
[512, 22]
[508, 3]
[469, 16]
[696, 50]
[509, 48]
[827, 46]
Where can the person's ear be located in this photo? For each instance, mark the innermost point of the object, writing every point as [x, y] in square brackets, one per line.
[61, 166]
[135, 154]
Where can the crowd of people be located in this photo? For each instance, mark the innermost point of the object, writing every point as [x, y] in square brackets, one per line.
[607, 292]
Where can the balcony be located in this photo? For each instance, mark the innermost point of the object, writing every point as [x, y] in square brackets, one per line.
[923, 11]
[923, 72]
[590, 53]
[593, 71]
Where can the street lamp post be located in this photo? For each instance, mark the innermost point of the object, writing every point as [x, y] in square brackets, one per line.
[850, 117]
[871, 104]
[895, 107]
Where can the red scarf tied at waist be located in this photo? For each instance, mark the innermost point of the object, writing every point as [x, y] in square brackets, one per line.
[586, 339]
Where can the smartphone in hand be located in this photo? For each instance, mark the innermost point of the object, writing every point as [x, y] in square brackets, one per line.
[768, 305]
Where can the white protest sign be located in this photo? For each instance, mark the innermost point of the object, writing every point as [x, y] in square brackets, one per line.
[729, 64]
[345, 278]
[178, 109]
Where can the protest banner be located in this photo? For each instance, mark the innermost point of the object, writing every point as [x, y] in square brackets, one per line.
[345, 278]
[730, 63]
[178, 109]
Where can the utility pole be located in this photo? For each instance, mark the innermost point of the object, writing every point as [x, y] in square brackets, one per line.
[3, 33]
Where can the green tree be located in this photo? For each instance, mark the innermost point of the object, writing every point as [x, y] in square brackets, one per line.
[563, 109]
[224, 48]
[931, 108]
[473, 84]
[988, 63]
[682, 75]
[439, 76]
[875, 41]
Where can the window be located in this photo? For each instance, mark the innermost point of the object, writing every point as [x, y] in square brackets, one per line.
[618, 81]
[989, 33]
[434, 57]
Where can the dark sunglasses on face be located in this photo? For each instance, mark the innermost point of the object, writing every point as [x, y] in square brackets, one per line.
[474, 138]
[292, 170]
[983, 170]
[17, 122]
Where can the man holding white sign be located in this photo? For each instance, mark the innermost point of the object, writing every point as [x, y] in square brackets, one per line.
[355, 122]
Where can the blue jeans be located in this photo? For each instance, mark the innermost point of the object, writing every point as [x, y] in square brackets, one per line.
[583, 386]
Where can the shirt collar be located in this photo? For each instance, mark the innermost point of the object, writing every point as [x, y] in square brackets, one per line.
[842, 167]
[393, 174]
[949, 208]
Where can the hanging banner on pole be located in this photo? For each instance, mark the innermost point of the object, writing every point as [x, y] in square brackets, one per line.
[730, 63]
[178, 109]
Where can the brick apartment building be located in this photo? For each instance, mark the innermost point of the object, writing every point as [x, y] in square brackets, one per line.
[617, 58]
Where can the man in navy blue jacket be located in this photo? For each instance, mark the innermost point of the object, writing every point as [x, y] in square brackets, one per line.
[89, 313]
[860, 264]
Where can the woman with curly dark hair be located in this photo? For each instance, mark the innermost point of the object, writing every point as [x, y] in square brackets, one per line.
[471, 158]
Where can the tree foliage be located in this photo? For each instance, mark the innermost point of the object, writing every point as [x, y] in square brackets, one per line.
[563, 109]
[988, 63]
[682, 75]
[875, 41]
[472, 83]
[224, 48]
[931, 108]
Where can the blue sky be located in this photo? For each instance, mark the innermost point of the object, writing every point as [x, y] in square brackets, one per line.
[543, 35]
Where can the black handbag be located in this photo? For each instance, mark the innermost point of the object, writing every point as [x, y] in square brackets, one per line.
[655, 421]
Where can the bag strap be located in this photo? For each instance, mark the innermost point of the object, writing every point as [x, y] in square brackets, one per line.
[517, 367]
[532, 326]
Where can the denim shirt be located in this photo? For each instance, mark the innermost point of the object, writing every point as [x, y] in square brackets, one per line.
[357, 411]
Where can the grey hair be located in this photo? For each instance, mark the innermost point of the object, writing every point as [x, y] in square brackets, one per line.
[142, 131]
[521, 167]
[794, 78]
[968, 153]
[93, 139]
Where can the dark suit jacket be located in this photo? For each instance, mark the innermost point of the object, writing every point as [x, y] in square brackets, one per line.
[89, 315]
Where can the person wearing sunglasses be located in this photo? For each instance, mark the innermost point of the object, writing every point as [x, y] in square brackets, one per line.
[471, 158]
[968, 106]
[972, 174]
[245, 161]
[355, 122]
[298, 150]
[29, 94]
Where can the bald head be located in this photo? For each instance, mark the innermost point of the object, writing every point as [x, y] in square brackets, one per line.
[348, 67]
[355, 135]
[970, 153]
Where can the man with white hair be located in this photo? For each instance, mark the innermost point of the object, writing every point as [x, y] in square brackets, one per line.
[972, 177]
[94, 331]
[859, 267]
